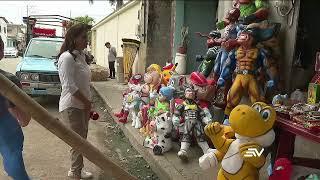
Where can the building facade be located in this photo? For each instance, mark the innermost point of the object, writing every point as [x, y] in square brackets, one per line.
[16, 36]
[123, 23]
[3, 30]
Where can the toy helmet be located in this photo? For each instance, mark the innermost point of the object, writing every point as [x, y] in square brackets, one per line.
[215, 34]
[167, 92]
[136, 79]
[198, 79]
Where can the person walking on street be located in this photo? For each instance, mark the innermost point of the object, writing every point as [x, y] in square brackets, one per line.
[112, 55]
[75, 99]
[11, 135]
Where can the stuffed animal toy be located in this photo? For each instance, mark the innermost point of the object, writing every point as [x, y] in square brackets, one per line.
[167, 72]
[241, 158]
[135, 84]
[161, 141]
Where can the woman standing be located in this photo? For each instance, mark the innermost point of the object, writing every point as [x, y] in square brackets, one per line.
[11, 135]
[75, 100]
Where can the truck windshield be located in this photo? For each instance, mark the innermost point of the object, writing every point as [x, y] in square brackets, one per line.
[43, 49]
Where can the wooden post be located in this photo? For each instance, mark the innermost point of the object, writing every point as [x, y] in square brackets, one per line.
[42, 116]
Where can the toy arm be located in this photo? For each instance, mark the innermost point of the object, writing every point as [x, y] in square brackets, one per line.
[227, 69]
[216, 133]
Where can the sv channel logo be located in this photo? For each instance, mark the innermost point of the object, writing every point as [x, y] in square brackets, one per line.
[253, 152]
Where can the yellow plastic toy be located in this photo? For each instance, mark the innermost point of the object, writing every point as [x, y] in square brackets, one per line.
[241, 158]
[167, 72]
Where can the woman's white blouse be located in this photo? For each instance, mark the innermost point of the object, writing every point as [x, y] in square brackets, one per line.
[74, 74]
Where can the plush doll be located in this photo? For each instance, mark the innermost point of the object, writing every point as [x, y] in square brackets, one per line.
[193, 117]
[167, 72]
[162, 103]
[134, 98]
[282, 170]
[161, 140]
[241, 158]
[152, 78]
[134, 85]
[148, 114]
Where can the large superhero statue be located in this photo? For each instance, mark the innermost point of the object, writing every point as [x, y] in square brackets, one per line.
[252, 11]
[213, 43]
[246, 61]
[231, 28]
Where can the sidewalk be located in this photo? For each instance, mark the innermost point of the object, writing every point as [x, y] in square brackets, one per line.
[168, 166]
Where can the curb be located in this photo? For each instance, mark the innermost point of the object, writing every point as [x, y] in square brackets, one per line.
[159, 164]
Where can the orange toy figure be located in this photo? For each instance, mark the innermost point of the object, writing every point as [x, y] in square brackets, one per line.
[167, 72]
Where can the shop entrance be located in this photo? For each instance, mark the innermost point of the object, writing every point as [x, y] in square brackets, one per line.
[307, 44]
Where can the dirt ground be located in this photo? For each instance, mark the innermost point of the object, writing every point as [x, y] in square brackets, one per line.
[118, 147]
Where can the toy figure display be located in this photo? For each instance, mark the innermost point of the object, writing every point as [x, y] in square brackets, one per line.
[252, 11]
[253, 128]
[134, 86]
[167, 72]
[205, 91]
[208, 61]
[193, 116]
[152, 78]
[148, 114]
[246, 61]
[161, 141]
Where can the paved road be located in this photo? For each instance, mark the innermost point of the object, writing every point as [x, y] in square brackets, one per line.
[46, 156]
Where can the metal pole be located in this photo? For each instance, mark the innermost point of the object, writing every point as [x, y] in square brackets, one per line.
[13, 93]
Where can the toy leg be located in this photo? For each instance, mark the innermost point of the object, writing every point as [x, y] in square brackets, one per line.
[182, 154]
[119, 114]
[253, 90]
[138, 123]
[234, 95]
[133, 124]
[221, 176]
[204, 146]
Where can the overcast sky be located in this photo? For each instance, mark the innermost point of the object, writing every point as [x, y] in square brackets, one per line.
[15, 10]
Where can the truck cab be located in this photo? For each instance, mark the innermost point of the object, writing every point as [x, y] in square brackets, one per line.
[38, 71]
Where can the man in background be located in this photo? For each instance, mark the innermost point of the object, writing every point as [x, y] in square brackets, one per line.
[111, 59]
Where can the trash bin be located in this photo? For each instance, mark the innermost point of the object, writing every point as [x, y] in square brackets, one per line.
[119, 68]
[130, 47]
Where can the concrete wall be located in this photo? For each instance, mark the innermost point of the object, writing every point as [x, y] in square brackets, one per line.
[118, 25]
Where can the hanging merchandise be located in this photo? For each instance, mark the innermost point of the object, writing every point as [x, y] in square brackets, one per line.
[241, 158]
[194, 118]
